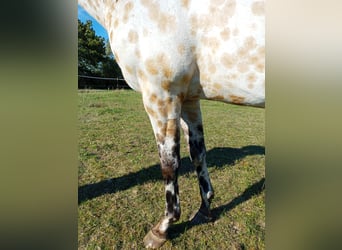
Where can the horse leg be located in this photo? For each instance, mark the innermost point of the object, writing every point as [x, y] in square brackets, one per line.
[193, 130]
[164, 115]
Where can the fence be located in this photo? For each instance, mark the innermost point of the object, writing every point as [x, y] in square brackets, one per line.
[93, 82]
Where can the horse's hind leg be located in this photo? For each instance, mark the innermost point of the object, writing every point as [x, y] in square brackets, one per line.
[193, 129]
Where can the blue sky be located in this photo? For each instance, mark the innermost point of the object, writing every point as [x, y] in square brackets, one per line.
[84, 16]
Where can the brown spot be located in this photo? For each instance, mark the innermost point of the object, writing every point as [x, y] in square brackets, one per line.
[164, 63]
[171, 128]
[218, 97]
[111, 35]
[193, 49]
[204, 78]
[212, 68]
[261, 51]
[133, 36]
[194, 22]
[127, 10]
[169, 105]
[166, 85]
[228, 60]
[214, 43]
[160, 103]
[233, 76]
[160, 138]
[167, 171]
[258, 8]
[242, 67]
[128, 6]
[225, 34]
[211, 42]
[129, 70]
[164, 21]
[151, 67]
[229, 8]
[142, 76]
[91, 4]
[186, 78]
[162, 128]
[253, 59]
[146, 3]
[167, 71]
[185, 3]
[153, 98]
[181, 49]
[217, 86]
[260, 67]
[162, 108]
[236, 99]
[251, 78]
[242, 52]
[97, 17]
[109, 17]
[181, 97]
[250, 43]
[150, 111]
[116, 23]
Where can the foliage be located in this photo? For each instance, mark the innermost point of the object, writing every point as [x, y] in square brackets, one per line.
[95, 57]
[91, 50]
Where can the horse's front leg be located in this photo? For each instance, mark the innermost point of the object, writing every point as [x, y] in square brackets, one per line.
[164, 114]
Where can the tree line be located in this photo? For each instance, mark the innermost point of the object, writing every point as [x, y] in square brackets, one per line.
[96, 60]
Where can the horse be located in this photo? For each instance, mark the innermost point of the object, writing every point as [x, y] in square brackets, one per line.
[175, 53]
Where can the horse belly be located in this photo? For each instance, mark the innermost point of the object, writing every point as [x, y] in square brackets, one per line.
[230, 52]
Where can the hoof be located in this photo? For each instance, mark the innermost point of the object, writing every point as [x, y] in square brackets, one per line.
[153, 241]
[200, 218]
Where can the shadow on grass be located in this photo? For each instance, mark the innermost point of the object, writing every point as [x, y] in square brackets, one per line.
[255, 189]
[216, 157]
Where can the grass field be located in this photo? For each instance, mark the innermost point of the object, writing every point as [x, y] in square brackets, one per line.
[121, 192]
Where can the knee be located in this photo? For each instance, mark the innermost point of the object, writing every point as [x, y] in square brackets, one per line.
[197, 151]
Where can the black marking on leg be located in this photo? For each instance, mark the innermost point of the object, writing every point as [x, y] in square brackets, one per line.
[199, 169]
[169, 201]
[204, 184]
[171, 205]
[175, 151]
[200, 128]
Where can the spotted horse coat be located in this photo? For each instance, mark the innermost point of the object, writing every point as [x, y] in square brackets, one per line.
[176, 52]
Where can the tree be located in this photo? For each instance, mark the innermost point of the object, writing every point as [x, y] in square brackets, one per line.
[95, 58]
[110, 67]
[109, 52]
[91, 50]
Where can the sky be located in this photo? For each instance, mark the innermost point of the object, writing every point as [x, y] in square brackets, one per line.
[84, 16]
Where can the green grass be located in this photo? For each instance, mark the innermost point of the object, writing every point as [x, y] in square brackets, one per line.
[121, 193]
